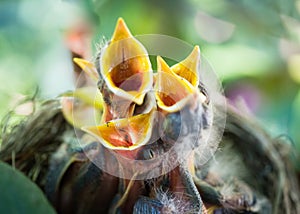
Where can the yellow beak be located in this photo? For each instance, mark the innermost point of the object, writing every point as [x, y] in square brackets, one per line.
[171, 90]
[189, 67]
[124, 134]
[88, 67]
[125, 65]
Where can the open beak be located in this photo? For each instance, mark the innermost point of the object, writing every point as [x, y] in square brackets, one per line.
[88, 67]
[171, 90]
[189, 67]
[125, 65]
[189, 70]
[124, 134]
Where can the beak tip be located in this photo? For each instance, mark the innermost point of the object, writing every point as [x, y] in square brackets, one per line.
[159, 59]
[195, 53]
[85, 129]
[162, 66]
[121, 30]
[121, 21]
[87, 67]
[92, 130]
[197, 48]
[80, 62]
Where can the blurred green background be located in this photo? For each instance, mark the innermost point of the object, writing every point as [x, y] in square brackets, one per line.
[253, 45]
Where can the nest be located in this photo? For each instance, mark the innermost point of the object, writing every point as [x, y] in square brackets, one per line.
[29, 144]
[246, 154]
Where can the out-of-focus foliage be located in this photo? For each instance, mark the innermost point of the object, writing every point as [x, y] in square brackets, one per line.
[254, 46]
[14, 197]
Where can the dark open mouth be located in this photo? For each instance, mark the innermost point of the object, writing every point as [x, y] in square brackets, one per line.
[169, 99]
[128, 75]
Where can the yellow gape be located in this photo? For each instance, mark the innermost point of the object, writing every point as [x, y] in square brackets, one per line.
[125, 65]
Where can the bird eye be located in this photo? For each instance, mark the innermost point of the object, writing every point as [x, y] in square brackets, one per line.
[203, 90]
[148, 154]
[151, 153]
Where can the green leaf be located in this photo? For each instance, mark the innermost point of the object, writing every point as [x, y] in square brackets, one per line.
[19, 195]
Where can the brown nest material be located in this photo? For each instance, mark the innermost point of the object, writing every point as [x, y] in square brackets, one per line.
[251, 163]
[29, 144]
[247, 158]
